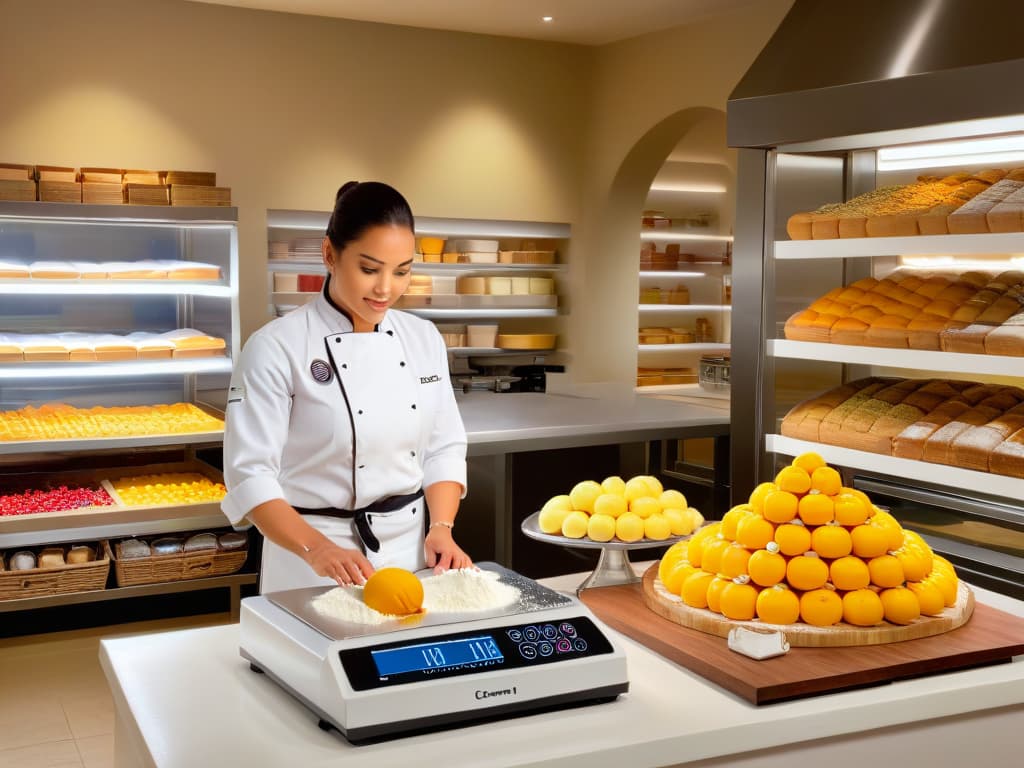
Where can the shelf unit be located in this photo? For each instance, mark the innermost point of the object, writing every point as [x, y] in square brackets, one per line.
[780, 373]
[92, 233]
[524, 313]
[703, 279]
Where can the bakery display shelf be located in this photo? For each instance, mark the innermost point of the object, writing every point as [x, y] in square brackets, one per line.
[108, 522]
[316, 267]
[68, 370]
[234, 581]
[684, 307]
[670, 273]
[843, 248]
[477, 301]
[925, 360]
[22, 447]
[185, 217]
[906, 469]
[708, 347]
[21, 287]
[314, 223]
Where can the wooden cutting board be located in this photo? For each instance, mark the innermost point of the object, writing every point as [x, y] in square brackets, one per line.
[991, 636]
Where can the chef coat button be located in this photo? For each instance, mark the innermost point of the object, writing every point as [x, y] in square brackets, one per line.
[391, 333]
[402, 364]
[413, 453]
[414, 406]
[361, 466]
[360, 413]
[337, 339]
[344, 365]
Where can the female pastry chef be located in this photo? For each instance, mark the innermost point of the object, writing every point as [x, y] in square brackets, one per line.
[341, 418]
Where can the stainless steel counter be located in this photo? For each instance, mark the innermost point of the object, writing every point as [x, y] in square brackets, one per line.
[529, 421]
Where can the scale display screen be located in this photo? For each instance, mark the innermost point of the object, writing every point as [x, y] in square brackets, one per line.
[437, 655]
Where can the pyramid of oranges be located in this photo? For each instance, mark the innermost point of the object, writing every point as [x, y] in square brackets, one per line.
[807, 549]
[627, 510]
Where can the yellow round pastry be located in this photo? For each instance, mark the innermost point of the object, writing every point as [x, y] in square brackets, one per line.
[657, 527]
[601, 528]
[629, 527]
[678, 521]
[611, 504]
[635, 488]
[394, 591]
[562, 501]
[551, 520]
[673, 500]
[575, 525]
[644, 507]
[614, 484]
[584, 494]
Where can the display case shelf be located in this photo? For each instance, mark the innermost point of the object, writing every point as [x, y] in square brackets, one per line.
[292, 223]
[907, 469]
[49, 371]
[846, 248]
[710, 347]
[645, 273]
[114, 288]
[495, 352]
[28, 447]
[951, 362]
[684, 308]
[122, 215]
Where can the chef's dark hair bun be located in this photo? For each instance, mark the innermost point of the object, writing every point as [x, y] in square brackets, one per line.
[361, 205]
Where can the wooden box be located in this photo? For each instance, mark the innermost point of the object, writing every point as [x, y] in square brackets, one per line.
[146, 194]
[102, 175]
[190, 194]
[102, 193]
[56, 173]
[15, 172]
[192, 178]
[60, 191]
[17, 191]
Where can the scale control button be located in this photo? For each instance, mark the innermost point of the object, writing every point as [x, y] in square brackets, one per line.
[568, 629]
[549, 631]
[563, 646]
[515, 635]
[532, 634]
[528, 651]
[546, 649]
[580, 644]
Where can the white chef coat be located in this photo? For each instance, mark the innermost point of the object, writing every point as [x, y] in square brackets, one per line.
[323, 417]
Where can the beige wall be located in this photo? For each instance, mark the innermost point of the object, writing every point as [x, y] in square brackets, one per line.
[285, 108]
[648, 92]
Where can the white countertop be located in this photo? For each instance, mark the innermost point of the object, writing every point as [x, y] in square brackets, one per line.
[509, 422]
[187, 698]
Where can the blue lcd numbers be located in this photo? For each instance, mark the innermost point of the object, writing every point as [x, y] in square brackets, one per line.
[467, 651]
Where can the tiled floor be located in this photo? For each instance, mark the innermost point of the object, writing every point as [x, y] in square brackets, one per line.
[55, 708]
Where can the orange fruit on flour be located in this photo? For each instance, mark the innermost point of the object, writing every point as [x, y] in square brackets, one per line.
[862, 608]
[778, 605]
[929, 596]
[793, 538]
[674, 554]
[821, 607]
[714, 550]
[715, 592]
[758, 496]
[793, 479]
[394, 591]
[732, 518]
[806, 572]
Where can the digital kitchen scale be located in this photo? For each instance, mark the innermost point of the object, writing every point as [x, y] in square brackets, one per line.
[433, 670]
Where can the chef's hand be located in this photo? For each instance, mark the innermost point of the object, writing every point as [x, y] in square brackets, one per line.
[345, 566]
[442, 551]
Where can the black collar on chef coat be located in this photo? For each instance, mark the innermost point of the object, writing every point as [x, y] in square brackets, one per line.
[329, 310]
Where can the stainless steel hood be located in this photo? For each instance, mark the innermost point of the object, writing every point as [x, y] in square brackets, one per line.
[839, 68]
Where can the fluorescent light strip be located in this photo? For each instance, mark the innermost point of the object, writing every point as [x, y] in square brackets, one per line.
[483, 312]
[951, 263]
[148, 223]
[669, 273]
[712, 189]
[683, 307]
[112, 370]
[997, 149]
[103, 288]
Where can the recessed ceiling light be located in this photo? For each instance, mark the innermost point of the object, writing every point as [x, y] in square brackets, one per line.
[547, 18]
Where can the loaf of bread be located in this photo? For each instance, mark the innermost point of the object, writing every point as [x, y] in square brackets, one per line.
[51, 557]
[922, 207]
[970, 218]
[958, 423]
[949, 312]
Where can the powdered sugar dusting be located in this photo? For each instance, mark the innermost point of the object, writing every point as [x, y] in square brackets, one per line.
[466, 590]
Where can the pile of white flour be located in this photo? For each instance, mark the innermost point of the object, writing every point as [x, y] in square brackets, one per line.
[456, 591]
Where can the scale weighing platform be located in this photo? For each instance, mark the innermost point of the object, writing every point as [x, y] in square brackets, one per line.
[433, 670]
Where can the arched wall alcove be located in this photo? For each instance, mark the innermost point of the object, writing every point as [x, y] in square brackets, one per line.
[604, 311]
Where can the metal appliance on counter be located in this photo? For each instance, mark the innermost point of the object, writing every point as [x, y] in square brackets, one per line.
[713, 374]
[433, 670]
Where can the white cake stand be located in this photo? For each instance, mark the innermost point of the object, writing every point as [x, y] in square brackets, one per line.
[613, 566]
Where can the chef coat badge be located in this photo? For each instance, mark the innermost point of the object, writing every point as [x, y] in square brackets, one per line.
[321, 371]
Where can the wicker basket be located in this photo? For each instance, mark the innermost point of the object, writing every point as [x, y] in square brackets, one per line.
[43, 582]
[176, 567]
